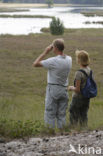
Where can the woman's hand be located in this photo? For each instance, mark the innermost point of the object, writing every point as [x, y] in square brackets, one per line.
[71, 88]
[76, 88]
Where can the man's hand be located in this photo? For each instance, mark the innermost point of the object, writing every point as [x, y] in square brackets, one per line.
[37, 62]
[48, 49]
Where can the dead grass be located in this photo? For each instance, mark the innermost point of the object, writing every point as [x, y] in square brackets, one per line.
[93, 13]
[29, 5]
[18, 52]
[35, 5]
[20, 5]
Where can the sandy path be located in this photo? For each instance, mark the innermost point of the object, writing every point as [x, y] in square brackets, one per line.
[56, 146]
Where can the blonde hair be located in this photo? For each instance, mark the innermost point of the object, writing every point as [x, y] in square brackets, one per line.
[82, 57]
[59, 44]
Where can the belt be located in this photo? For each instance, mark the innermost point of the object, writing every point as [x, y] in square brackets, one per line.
[57, 84]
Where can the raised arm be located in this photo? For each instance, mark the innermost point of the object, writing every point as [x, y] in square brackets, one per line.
[37, 62]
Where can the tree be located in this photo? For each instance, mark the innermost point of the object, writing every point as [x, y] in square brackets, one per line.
[50, 3]
[5, 1]
[56, 26]
[98, 2]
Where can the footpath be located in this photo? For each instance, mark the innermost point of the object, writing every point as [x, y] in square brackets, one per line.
[75, 144]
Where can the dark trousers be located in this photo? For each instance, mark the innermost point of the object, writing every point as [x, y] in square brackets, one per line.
[79, 111]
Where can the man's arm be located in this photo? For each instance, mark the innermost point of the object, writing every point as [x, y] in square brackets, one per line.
[37, 62]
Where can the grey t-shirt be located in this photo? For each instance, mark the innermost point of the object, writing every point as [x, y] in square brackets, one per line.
[82, 77]
[58, 69]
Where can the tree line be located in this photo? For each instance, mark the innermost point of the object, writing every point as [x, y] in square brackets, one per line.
[34, 1]
[86, 1]
[98, 2]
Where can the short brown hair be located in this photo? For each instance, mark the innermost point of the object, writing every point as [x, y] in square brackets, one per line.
[59, 44]
[82, 57]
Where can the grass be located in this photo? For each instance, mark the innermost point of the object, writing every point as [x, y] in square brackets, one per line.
[22, 87]
[66, 30]
[24, 16]
[95, 115]
[12, 10]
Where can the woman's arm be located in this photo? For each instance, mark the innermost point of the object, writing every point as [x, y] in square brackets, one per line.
[76, 88]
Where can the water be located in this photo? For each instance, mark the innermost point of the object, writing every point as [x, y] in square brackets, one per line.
[34, 25]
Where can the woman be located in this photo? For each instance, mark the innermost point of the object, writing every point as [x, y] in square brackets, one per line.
[80, 105]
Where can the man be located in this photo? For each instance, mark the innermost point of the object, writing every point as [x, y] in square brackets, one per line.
[56, 100]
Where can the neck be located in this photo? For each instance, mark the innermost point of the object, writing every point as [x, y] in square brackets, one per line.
[60, 53]
[83, 66]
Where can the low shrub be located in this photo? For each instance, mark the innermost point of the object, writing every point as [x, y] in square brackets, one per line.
[56, 26]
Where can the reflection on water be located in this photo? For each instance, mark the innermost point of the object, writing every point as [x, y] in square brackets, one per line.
[33, 25]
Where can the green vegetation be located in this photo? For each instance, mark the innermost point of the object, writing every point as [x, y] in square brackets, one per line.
[22, 87]
[88, 13]
[24, 16]
[50, 3]
[20, 129]
[56, 26]
[12, 10]
[98, 22]
[66, 30]
[97, 2]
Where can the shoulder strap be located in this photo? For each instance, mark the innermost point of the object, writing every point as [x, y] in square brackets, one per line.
[85, 72]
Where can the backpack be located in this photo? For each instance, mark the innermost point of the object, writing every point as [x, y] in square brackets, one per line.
[90, 88]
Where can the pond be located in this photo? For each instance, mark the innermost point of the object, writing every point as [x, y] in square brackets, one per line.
[33, 25]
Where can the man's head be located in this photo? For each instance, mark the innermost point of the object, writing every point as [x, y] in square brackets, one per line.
[58, 45]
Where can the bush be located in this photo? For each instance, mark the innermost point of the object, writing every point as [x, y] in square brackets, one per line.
[50, 3]
[56, 26]
[19, 129]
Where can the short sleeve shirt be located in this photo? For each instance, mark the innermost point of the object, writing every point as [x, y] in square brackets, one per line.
[58, 69]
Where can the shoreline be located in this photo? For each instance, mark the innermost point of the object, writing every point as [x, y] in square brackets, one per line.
[25, 16]
[70, 30]
[45, 31]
